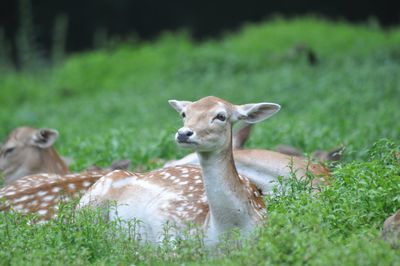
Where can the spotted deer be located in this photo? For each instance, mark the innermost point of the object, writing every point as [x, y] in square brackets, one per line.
[36, 176]
[29, 151]
[214, 196]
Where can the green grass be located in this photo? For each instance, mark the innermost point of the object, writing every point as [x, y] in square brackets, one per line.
[112, 104]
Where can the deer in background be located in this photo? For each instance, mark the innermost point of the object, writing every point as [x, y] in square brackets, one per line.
[29, 151]
[41, 193]
[214, 196]
[37, 177]
[391, 230]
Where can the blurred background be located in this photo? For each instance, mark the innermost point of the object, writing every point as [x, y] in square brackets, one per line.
[54, 27]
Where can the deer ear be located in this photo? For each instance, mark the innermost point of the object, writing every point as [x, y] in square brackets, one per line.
[255, 112]
[44, 138]
[240, 134]
[397, 216]
[179, 106]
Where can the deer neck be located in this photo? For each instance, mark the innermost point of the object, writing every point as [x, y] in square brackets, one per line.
[226, 195]
[51, 162]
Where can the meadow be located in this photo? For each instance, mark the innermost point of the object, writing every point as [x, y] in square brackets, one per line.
[337, 83]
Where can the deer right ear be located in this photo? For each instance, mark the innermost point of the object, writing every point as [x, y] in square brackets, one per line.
[255, 112]
[44, 138]
[179, 106]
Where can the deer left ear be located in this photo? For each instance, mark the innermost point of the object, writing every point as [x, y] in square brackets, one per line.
[179, 106]
[255, 112]
[44, 138]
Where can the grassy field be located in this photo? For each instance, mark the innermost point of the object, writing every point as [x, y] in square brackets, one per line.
[338, 84]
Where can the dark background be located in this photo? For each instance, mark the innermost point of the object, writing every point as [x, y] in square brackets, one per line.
[148, 18]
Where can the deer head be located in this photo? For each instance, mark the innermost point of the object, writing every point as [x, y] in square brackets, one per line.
[208, 122]
[29, 151]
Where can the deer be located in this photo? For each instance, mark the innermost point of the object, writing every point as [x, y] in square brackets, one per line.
[391, 230]
[213, 196]
[37, 178]
[30, 151]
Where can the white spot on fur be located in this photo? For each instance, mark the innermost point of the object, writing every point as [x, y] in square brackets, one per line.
[56, 189]
[33, 203]
[23, 198]
[86, 183]
[42, 212]
[49, 197]
[41, 193]
[123, 182]
[10, 193]
[165, 175]
[185, 170]
[71, 186]
[204, 198]
[44, 204]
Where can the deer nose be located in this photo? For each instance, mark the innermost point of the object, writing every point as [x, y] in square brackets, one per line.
[184, 134]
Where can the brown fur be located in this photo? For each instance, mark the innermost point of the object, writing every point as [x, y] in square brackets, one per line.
[279, 160]
[321, 156]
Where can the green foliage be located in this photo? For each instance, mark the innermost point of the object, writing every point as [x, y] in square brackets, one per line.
[112, 104]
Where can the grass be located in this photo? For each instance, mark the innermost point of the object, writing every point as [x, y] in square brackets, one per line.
[112, 104]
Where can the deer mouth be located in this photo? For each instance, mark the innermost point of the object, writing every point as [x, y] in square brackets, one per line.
[186, 142]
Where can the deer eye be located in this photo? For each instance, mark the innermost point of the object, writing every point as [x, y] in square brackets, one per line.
[220, 117]
[183, 115]
[8, 151]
